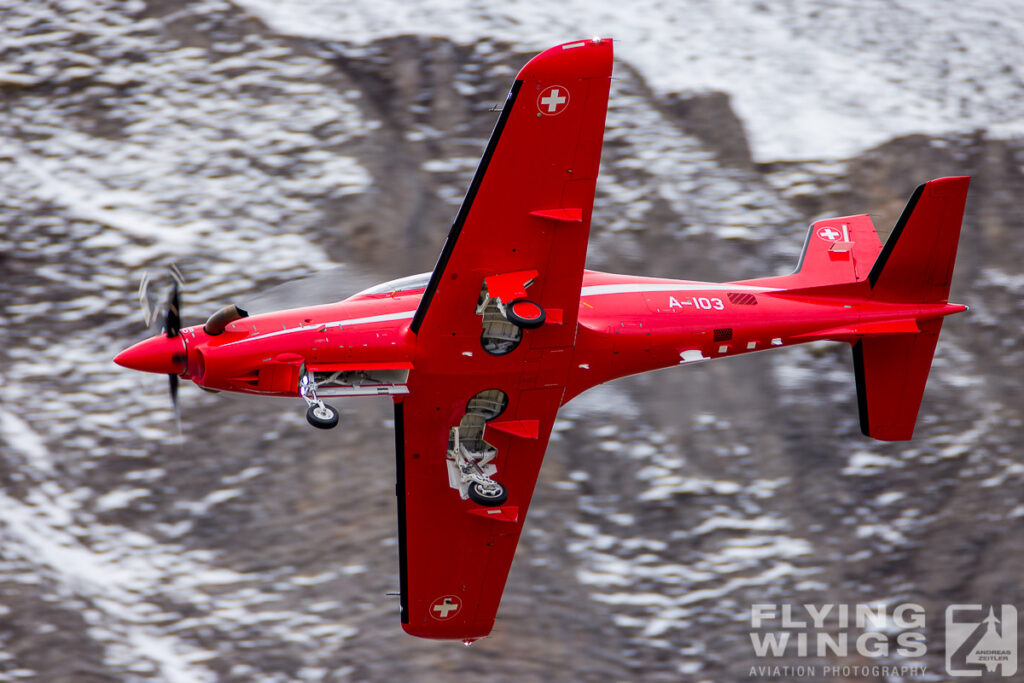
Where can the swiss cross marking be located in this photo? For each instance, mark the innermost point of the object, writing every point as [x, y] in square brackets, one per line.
[445, 607]
[553, 100]
[829, 234]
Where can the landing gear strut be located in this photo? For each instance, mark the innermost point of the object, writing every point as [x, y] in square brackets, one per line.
[470, 472]
[318, 413]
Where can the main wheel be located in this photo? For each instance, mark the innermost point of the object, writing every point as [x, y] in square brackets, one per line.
[525, 313]
[322, 418]
[490, 496]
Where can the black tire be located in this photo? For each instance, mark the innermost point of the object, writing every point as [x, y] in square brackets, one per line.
[490, 496]
[525, 314]
[322, 419]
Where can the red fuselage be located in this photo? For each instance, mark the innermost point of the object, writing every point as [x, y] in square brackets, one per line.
[627, 325]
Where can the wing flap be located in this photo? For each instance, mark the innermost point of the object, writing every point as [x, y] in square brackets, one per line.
[564, 215]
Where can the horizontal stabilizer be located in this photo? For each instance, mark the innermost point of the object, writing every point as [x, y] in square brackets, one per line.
[870, 329]
[837, 250]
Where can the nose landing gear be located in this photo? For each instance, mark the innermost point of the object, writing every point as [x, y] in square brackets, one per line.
[318, 413]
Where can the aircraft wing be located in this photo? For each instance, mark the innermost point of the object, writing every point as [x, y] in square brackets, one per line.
[528, 206]
[521, 233]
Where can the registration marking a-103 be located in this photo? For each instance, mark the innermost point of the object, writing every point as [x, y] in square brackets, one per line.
[697, 302]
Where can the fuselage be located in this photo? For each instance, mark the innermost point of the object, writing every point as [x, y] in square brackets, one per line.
[626, 325]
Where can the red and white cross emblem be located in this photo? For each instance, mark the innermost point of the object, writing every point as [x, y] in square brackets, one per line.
[829, 234]
[553, 100]
[445, 607]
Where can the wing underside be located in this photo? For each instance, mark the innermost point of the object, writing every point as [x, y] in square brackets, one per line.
[521, 234]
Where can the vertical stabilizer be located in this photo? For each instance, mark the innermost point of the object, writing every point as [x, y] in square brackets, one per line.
[891, 373]
[916, 263]
[914, 267]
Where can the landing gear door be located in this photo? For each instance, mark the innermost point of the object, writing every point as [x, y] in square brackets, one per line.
[359, 379]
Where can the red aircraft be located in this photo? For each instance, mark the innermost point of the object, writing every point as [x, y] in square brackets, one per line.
[479, 354]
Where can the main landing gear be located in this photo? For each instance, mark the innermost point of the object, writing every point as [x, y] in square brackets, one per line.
[318, 413]
[470, 472]
[503, 324]
[525, 314]
[490, 494]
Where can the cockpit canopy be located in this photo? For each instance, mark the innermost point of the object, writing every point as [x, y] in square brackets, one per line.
[403, 284]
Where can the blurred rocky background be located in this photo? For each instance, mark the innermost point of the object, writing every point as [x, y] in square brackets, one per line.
[259, 143]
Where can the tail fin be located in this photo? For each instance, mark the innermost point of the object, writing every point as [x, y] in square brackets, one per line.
[891, 372]
[916, 263]
[915, 267]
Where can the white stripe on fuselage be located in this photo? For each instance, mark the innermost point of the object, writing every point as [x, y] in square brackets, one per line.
[637, 288]
[402, 315]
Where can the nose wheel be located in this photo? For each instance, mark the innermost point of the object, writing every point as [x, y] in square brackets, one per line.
[322, 416]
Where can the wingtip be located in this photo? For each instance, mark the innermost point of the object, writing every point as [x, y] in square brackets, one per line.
[438, 631]
[949, 181]
[587, 58]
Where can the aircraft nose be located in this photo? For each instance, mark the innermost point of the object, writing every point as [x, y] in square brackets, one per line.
[162, 354]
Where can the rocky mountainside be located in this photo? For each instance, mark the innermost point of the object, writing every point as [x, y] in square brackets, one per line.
[136, 134]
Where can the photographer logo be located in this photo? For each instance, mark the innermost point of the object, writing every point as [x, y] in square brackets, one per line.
[981, 640]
